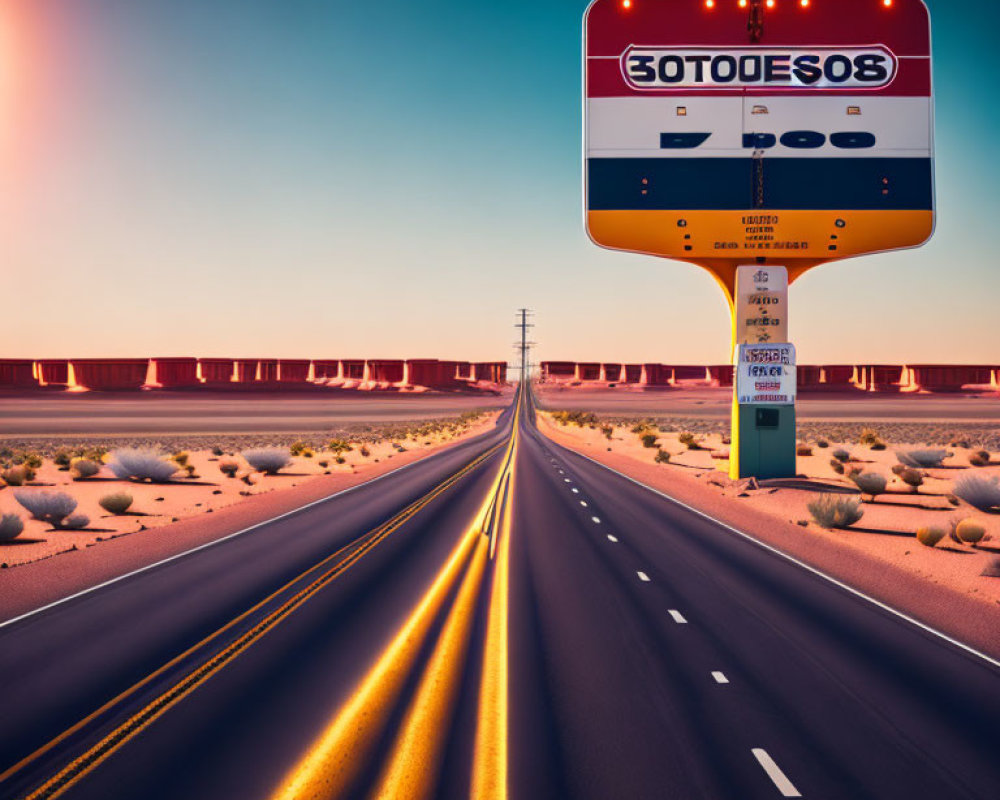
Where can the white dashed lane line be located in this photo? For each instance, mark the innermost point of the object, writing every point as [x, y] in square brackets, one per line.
[785, 786]
[567, 480]
[575, 491]
[720, 678]
[677, 616]
[596, 520]
[643, 576]
[612, 538]
[583, 503]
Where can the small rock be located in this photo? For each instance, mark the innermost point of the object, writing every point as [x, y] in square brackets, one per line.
[159, 499]
[217, 491]
[743, 494]
[803, 522]
[173, 519]
[142, 527]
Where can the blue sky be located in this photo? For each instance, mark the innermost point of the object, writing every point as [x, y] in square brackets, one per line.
[328, 179]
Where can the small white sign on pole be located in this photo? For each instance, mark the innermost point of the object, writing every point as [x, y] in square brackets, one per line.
[765, 374]
[761, 304]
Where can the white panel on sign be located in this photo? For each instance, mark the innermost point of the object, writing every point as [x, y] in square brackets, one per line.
[761, 303]
[765, 373]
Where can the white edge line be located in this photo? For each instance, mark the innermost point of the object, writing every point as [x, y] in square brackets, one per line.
[785, 786]
[677, 616]
[206, 545]
[643, 576]
[856, 592]
[720, 677]
[612, 538]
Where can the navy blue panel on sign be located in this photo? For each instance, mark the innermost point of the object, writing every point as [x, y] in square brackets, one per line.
[680, 141]
[789, 183]
[759, 141]
[803, 139]
[669, 183]
[851, 140]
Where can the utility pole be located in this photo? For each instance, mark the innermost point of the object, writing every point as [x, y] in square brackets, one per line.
[524, 345]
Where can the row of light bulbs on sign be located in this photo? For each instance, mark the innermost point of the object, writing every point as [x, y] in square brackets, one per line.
[745, 3]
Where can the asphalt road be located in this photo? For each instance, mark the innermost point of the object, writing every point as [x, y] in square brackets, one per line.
[537, 627]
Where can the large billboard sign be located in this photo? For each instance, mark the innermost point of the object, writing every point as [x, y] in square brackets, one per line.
[756, 131]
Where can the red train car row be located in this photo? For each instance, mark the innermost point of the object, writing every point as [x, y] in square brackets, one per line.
[826, 377]
[123, 374]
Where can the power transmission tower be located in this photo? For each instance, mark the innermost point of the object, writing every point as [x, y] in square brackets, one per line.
[524, 345]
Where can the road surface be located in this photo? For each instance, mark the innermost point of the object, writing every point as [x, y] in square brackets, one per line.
[504, 619]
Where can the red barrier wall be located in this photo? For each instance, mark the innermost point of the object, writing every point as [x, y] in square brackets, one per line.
[499, 372]
[326, 369]
[612, 373]
[353, 369]
[656, 374]
[807, 377]
[422, 371]
[246, 370]
[17, 372]
[558, 370]
[53, 371]
[447, 373]
[721, 375]
[633, 373]
[293, 370]
[464, 371]
[588, 371]
[386, 370]
[267, 370]
[880, 377]
[216, 370]
[838, 376]
[110, 373]
[170, 372]
[689, 373]
[948, 377]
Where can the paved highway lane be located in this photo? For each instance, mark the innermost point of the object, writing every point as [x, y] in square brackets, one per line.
[538, 627]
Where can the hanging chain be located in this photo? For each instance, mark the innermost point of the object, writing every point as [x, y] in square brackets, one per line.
[758, 166]
[755, 24]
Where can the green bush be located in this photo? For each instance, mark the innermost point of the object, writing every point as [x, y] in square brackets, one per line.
[181, 458]
[229, 468]
[922, 459]
[929, 536]
[837, 466]
[76, 522]
[870, 483]
[608, 431]
[842, 455]
[980, 458]
[971, 531]
[11, 526]
[116, 502]
[912, 478]
[980, 493]
[15, 476]
[649, 439]
[662, 457]
[835, 511]
[869, 436]
[803, 450]
[83, 468]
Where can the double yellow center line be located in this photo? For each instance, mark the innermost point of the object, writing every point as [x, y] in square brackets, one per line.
[335, 565]
[332, 766]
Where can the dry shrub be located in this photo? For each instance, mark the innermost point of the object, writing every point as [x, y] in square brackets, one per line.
[835, 511]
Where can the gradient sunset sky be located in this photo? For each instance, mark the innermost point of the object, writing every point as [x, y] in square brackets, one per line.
[310, 178]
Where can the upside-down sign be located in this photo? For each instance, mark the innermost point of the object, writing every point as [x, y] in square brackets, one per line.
[734, 130]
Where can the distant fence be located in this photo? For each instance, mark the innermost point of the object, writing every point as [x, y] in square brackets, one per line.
[813, 377]
[133, 374]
